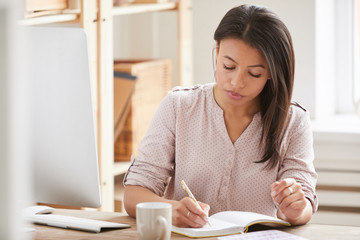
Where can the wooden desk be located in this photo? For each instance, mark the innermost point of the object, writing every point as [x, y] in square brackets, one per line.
[309, 231]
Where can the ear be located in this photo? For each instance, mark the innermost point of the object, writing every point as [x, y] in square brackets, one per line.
[216, 50]
[214, 55]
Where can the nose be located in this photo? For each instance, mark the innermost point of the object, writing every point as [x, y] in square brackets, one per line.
[238, 81]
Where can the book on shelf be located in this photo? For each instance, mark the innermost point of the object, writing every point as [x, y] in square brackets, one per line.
[154, 78]
[230, 222]
[124, 85]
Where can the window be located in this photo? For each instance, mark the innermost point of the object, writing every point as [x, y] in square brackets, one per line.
[356, 56]
[337, 58]
[346, 57]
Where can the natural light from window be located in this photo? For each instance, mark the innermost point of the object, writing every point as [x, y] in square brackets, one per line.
[356, 56]
[337, 66]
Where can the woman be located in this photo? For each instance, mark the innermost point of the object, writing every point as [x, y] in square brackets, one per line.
[239, 143]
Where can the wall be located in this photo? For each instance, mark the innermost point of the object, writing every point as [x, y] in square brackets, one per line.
[145, 36]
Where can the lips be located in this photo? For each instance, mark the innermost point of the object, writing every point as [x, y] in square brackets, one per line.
[234, 95]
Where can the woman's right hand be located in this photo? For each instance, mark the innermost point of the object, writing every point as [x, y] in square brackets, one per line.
[185, 213]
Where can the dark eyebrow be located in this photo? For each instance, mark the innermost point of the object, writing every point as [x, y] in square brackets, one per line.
[257, 65]
[230, 59]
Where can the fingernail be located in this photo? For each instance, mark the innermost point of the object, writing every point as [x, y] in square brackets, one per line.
[273, 193]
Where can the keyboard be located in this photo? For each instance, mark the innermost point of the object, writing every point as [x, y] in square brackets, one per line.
[77, 223]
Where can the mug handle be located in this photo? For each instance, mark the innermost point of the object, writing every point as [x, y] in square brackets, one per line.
[163, 224]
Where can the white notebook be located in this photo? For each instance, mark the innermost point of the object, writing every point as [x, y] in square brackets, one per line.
[229, 222]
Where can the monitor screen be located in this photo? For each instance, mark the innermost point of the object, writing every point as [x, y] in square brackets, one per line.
[63, 140]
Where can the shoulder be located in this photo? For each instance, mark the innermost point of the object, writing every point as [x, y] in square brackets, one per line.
[197, 89]
[297, 106]
[190, 95]
[181, 99]
[297, 110]
[298, 116]
[297, 126]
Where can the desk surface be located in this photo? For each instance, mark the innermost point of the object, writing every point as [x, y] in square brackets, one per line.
[309, 231]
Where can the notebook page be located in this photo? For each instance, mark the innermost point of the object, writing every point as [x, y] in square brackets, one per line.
[243, 218]
[218, 227]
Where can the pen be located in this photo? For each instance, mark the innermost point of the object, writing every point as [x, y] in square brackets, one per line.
[187, 190]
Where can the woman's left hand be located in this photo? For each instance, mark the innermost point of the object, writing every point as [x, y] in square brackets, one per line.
[290, 199]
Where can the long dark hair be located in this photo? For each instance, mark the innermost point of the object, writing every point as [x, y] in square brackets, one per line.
[262, 29]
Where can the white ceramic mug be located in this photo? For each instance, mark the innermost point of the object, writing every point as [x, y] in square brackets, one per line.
[153, 220]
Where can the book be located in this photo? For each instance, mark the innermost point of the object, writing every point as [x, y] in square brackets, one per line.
[229, 222]
[153, 81]
[124, 85]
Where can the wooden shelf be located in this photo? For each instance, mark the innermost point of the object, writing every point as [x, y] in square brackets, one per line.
[143, 8]
[56, 18]
[73, 15]
[120, 168]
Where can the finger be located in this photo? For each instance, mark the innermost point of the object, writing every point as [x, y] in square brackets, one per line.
[273, 188]
[193, 207]
[293, 210]
[281, 196]
[182, 218]
[281, 186]
[291, 199]
[274, 185]
[205, 207]
[285, 183]
[195, 220]
[197, 215]
[296, 187]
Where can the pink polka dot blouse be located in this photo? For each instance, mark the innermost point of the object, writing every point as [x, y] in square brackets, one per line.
[187, 140]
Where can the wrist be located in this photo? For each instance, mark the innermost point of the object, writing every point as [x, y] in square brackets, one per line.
[301, 219]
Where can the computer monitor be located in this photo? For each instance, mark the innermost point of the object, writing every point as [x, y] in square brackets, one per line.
[63, 140]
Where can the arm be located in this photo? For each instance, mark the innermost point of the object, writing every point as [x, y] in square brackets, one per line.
[294, 193]
[180, 209]
[147, 178]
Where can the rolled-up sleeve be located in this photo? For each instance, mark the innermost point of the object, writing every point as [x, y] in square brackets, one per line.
[154, 164]
[299, 157]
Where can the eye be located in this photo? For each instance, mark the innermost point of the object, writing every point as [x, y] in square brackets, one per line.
[228, 68]
[255, 75]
